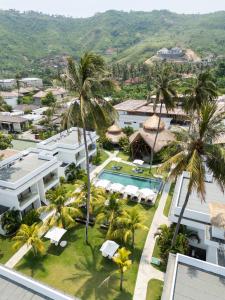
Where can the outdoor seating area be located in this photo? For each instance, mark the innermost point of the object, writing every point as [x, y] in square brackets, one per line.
[54, 235]
[116, 168]
[131, 192]
[109, 248]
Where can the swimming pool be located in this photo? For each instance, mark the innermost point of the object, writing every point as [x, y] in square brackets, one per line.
[140, 182]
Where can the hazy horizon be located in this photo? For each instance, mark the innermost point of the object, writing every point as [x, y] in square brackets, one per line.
[88, 8]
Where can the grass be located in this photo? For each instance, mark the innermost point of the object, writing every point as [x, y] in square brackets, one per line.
[125, 168]
[123, 156]
[156, 253]
[79, 269]
[169, 200]
[155, 288]
[6, 249]
[104, 156]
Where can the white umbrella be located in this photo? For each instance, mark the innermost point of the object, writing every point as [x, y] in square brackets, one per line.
[55, 234]
[147, 193]
[131, 190]
[109, 248]
[102, 183]
[117, 187]
[138, 162]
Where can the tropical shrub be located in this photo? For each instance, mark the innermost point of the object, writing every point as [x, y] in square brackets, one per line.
[128, 130]
[96, 160]
[125, 145]
[73, 173]
[11, 221]
[105, 143]
[31, 217]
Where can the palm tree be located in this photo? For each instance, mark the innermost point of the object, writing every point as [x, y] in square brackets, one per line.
[88, 79]
[63, 213]
[128, 223]
[123, 262]
[199, 90]
[195, 152]
[29, 235]
[164, 83]
[111, 212]
[97, 196]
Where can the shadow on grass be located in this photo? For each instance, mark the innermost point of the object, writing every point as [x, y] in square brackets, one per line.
[90, 272]
[33, 263]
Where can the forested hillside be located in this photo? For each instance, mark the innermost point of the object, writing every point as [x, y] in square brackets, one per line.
[25, 38]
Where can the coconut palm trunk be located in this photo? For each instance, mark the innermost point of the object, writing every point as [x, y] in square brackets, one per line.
[156, 136]
[121, 280]
[88, 184]
[181, 215]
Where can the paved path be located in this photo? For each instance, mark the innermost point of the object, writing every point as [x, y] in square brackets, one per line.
[146, 271]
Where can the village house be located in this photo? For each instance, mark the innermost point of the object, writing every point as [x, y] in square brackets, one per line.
[7, 84]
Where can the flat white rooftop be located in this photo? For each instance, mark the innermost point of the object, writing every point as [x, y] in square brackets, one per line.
[192, 279]
[213, 194]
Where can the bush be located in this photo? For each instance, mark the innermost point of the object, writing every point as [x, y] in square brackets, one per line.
[48, 100]
[96, 160]
[11, 221]
[73, 172]
[128, 130]
[31, 217]
[62, 180]
[125, 145]
[105, 143]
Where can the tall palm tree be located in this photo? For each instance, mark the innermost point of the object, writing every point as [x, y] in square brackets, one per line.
[164, 83]
[111, 212]
[89, 80]
[29, 235]
[198, 90]
[195, 152]
[123, 262]
[97, 196]
[128, 223]
[63, 213]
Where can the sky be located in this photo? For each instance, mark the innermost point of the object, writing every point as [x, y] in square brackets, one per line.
[86, 8]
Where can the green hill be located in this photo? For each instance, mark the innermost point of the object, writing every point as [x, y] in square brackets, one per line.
[135, 36]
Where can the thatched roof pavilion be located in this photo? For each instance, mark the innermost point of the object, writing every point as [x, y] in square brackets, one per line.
[142, 141]
[114, 134]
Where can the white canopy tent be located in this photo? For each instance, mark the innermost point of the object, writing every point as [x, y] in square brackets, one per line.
[102, 183]
[55, 234]
[138, 162]
[117, 187]
[131, 190]
[109, 248]
[147, 193]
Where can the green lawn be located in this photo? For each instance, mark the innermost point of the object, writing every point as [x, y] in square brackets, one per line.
[169, 200]
[123, 156]
[79, 269]
[104, 156]
[128, 169]
[6, 249]
[155, 288]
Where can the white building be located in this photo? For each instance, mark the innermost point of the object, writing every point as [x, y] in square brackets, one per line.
[193, 279]
[68, 148]
[175, 52]
[31, 82]
[198, 217]
[134, 112]
[11, 98]
[7, 84]
[25, 178]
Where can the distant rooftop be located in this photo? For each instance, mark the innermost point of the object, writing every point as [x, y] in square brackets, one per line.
[12, 119]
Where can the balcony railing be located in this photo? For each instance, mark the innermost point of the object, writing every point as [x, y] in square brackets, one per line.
[23, 199]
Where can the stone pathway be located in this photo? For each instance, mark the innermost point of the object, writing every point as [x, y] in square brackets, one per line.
[146, 271]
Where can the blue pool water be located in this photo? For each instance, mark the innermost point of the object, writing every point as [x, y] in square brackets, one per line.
[140, 182]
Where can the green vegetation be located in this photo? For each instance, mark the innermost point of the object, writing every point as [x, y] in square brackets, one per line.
[133, 36]
[156, 253]
[169, 200]
[5, 141]
[82, 268]
[123, 156]
[6, 249]
[155, 288]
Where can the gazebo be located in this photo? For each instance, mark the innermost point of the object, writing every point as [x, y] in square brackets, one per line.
[142, 141]
[114, 134]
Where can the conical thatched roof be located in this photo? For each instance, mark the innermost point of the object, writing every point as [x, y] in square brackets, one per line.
[114, 134]
[114, 129]
[152, 123]
[217, 214]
